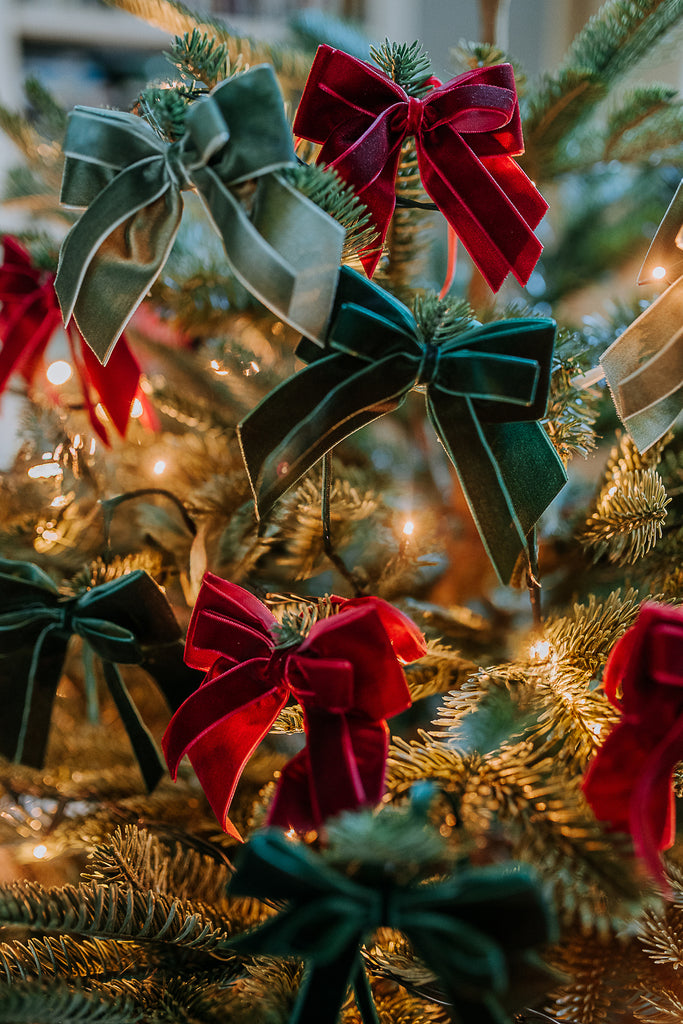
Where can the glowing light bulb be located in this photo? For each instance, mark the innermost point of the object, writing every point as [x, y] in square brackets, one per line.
[39, 851]
[159, 467]
[136, 409]
[658, 273]
[408, 528]
[44, 470]
[59, 372]
[539, 650]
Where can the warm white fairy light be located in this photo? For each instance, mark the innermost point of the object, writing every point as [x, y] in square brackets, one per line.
[59, 372]
[658, 273]
[40, 851]
[539, 650]
[93, 446]
[136, 409]
[44, 470]
[159, 467]
[408, 528]
[219, 369]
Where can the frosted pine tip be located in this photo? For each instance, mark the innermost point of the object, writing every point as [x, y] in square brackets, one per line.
[59, 372]
[658, 273]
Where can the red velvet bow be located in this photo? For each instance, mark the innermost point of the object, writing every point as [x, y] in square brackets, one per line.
[466, 133]
[29, 317]
[628, 782]
[345, 675]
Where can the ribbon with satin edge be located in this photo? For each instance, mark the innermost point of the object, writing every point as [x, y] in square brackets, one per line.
[644, 369]
[629, 781]
[127, 620]
[474, 929]
[466, 135]
[485, 388]
[28, 320]
[666, 249]
[344, 674]
[286, 252]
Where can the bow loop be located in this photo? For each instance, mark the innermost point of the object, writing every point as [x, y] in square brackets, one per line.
[466, 135]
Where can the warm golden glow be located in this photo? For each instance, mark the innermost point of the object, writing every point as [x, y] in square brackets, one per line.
[59, 372]
[658, 273]
[408, 528]
[159, 467]
[40, 851]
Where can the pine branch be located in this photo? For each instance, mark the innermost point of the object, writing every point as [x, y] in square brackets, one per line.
[441, 669]
[628, 519]
[62, 956]
[638, 107]
[56, 1001]
[594, 970]
[585, 637]
[114, 911]
[324, 187]
[201, 57]
[175, 17]
[572, 412]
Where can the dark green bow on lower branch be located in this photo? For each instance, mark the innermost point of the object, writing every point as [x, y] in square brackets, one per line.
[285, 251]
[473, 930]
[127, 620]
[484, 390]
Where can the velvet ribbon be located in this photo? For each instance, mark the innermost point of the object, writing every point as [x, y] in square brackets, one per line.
[466, 135]
[30, 316]
[127, 621]
[644, 369]
[483, 388]
[629, 781]
[472, 929]
[286, 252]
[345, 675]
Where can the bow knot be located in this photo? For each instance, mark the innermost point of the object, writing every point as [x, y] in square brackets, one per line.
[428, 369]
[345, 674]
[176, 165]
[467, 133]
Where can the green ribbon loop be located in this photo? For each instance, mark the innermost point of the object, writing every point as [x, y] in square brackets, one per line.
[485, 390]
[286, 252]
[126, 620]
[470, 929]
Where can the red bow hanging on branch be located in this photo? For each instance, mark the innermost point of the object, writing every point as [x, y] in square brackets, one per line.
[29, 317]
[345, 674]
[628, 782]
[466, 135]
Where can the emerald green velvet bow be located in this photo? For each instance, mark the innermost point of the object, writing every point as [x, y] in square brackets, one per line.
[127, 620]
[472, 929]
[287, 252]
[483, 388]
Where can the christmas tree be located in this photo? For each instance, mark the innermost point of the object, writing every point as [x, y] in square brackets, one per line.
[288, 503]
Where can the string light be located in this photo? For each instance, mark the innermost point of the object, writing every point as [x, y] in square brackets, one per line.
[59, 372]
[539, 650]
[136, 409]
[40, 851]
[219, 369]
[658, 273]
[159, 467]
[45, 470]
[408, 528]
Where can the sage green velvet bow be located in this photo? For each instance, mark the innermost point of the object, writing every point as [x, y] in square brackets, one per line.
[127, 620]
[484, 389]
[286, 252]
[473, 929]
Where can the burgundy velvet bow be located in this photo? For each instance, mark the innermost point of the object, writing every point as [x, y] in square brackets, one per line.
[466, 134]
[628, 782]
[345, 675]
[29, 317]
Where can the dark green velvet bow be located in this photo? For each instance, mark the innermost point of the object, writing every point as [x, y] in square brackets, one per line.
[484, 389]
[127, 620]
[286, 252]
[472, 929]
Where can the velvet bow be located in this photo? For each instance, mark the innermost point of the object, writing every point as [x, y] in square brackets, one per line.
[482, 388]
[30, 316]
[473, 929]
[628, 782]
[345, 675]
[466, 135]
[127, 620]
[286, 253]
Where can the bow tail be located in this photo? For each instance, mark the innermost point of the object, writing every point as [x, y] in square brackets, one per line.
[116, 384]
[288, 256]
[144, 747]
[652, 811]
[27, 710]
[218, 727]
[24, 337]
[495, 227]
[313, 411]
[510, 472]
[324, 987]
[341, 768]
[113, 255]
